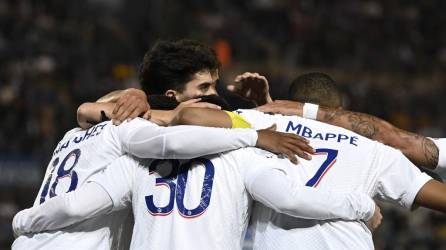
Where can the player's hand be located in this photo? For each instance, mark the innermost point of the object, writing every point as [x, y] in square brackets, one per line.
[252, 86]
[192, 103]
[131, 104]
[18, 223]
[376, 219]
[284, 143]
[282, 107]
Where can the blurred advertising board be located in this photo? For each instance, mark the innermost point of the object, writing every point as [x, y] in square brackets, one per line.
[19, 172]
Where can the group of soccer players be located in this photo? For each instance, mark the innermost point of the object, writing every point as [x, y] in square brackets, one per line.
[176, 170]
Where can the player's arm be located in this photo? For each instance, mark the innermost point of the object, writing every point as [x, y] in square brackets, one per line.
[419, 149]
[86, 202]
[128, 105]
[432, 195]
[92, 113]
[203, 117]
[185, 142]
[89, 114]
[111, 97]
[400, 182]
[276, 190]
[107, 191]
[286, 144]
[118, 105]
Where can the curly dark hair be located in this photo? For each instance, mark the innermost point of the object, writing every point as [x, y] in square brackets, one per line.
[170, 65]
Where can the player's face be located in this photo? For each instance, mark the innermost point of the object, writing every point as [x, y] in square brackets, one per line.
[202, 83]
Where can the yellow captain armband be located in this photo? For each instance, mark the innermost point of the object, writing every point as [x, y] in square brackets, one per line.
[238, 121]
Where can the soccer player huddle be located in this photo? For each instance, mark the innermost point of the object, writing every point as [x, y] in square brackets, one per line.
[172, 167]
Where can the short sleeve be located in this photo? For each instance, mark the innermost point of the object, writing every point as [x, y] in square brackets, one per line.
[270, 182]
[398, 179]
[117, 180]
[441, 167]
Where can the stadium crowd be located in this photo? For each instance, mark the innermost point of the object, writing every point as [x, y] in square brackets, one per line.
[389, 58]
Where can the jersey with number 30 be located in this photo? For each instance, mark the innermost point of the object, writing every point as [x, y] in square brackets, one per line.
[344, 162]
[83, 153]
[195, 204]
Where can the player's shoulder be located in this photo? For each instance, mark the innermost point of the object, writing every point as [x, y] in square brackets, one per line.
[135, 123]
[383, 156]
[247, 111]
[339, 134]
[252, 114]
[69, 136]
[139, 120]
[121, 131]
[129, 161]
[250, 154]
[257, 119]
[71, 133]
[324, 126]
[388, 152]
[253, 160]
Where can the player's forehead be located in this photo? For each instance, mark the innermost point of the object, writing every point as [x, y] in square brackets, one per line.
[204, 77]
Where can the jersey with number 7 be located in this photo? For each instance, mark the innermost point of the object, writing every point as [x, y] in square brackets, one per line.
[344, 162]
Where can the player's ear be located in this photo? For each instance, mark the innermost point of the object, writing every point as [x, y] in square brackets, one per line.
[171, 93]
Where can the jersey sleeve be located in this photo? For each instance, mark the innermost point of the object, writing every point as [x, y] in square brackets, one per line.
[64, 210]
[271, 185]
[117, 180]
[238, 121]
[441, 168]
[257, 119]
[146, 140]
[398, 180]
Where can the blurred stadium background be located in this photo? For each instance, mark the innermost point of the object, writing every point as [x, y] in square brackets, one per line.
[389, 57]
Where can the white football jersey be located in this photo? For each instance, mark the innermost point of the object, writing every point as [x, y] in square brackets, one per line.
[203, 199]
[344, 162]
[204, 203]
[82, 154]
[441, 168]
[78, 156]
[196, 204]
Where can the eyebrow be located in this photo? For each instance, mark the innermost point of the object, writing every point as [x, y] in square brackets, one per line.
[210, 83]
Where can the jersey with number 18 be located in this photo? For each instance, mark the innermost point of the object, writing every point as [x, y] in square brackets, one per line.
[78, 156]
[83, 153]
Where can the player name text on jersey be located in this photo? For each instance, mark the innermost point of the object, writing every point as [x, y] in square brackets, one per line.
[307, 132]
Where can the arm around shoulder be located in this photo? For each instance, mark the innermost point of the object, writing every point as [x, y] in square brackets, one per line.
[89, 114]
[64, 210]
[203, 117]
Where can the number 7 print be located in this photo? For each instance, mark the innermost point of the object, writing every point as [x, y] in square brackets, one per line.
[326, 165]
